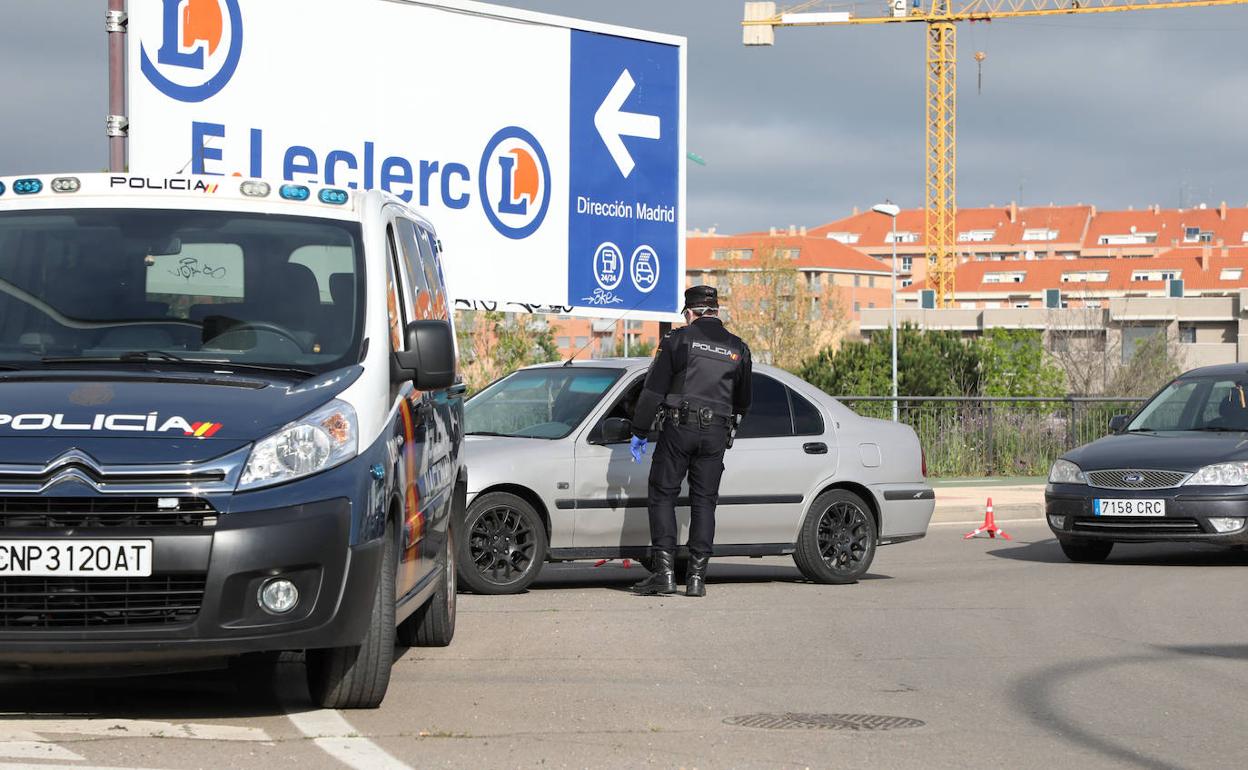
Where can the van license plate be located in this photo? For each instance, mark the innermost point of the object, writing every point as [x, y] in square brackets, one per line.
[1129, 507]
[76, 558]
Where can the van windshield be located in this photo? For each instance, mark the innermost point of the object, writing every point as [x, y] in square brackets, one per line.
[99, 286]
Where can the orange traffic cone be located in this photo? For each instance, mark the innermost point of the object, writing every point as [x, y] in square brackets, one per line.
[989, 526]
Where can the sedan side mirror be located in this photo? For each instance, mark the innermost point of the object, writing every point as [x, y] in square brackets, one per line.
[429, 360]
[616, 430]
[1118, 422]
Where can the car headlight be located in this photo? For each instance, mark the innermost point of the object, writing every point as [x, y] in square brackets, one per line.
[1066, 472]
[319, 441]
[1220, 475]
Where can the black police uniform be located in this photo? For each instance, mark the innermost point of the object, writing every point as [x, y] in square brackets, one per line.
[698, 381]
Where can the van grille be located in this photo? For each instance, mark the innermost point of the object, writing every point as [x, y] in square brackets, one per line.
[66, 603]
[30, 512]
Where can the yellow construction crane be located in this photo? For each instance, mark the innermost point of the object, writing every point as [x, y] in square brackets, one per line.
[940, 16]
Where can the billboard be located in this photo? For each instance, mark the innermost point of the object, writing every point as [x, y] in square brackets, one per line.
[549, 152]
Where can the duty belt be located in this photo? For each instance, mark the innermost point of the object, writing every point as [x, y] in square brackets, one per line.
[686, 415]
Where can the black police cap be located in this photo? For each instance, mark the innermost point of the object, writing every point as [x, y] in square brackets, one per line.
[701, 296]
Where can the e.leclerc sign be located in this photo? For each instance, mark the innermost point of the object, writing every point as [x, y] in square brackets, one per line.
[548, 151]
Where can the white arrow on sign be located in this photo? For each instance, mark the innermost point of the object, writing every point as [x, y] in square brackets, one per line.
[613, 123]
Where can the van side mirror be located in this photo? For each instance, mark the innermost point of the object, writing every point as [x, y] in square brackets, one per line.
[1118, 422]
[616, 430]
[429, 360]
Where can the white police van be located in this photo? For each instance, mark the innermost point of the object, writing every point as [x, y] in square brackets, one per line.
[229, 424]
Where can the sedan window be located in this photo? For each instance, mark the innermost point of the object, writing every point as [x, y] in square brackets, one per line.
[538, 403]
[1196, 404]
[770, 414]
[806, 418]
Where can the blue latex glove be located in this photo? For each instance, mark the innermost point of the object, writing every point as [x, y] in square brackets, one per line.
[638, 447]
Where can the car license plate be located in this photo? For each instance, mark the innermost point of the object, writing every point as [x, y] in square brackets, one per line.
[1129, 507]
[76, 558]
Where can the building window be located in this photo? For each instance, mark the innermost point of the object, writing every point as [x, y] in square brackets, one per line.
[1128, 239]
[1039, 234]
[857, 306]
[844, 237]
[871, 281]
[1021, 304]
[903, 236]
[1232, 273]
[907, 264]
[905, 282]
[1187, 334]
[1132, 336]
[976, 236]
[1097, 276]
[563, 343]
[1196, 235]
[729, 254]
[1015, 277]
[857, 281]
[581, 342]
[1156, 275]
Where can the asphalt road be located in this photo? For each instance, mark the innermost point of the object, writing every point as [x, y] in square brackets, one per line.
[1008, 655]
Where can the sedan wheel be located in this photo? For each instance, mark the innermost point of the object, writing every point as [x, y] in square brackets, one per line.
[838, 539]
[504, 546]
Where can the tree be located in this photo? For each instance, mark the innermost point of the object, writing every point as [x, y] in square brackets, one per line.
[1013, 363]
[493, 344]
[781, 314]
[929, 363]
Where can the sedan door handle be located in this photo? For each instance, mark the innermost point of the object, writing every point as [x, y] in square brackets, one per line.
[815, 448]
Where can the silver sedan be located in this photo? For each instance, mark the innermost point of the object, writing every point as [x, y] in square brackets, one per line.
[551, 478]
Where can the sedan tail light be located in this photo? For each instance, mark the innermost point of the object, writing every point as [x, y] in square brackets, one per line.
[923, 455]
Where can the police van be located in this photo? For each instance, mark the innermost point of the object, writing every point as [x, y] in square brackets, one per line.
[230, 423]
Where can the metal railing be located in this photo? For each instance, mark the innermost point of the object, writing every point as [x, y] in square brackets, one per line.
[993, 436]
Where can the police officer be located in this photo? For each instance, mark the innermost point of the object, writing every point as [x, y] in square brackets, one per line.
[699, 387]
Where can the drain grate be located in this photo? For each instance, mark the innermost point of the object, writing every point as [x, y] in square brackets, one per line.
[792, 721]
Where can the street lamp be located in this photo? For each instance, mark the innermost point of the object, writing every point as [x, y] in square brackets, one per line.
[891, 210]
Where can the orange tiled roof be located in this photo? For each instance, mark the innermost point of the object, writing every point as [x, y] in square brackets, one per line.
[1047, 274]
[1169, 225]
[813, 253]
[873, 229]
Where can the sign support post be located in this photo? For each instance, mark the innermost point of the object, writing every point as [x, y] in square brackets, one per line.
[117, 125]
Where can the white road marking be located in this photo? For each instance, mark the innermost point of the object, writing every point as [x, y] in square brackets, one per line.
[129, 728]
[23, 745]
[335, 736]
[42, 766]
[977, 522]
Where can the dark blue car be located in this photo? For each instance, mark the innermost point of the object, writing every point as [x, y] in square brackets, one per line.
[1175, 471]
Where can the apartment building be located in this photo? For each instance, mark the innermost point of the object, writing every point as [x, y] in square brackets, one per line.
[983, 234]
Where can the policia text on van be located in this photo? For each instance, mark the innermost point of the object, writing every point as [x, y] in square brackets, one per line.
[228, 425]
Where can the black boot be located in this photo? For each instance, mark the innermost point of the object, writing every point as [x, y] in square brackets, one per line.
[663, 575]
[695, 585]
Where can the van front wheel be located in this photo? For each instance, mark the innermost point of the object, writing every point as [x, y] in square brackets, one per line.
[357, 677]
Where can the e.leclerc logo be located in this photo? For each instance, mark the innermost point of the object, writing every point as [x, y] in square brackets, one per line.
[514, 180]
[201, 43]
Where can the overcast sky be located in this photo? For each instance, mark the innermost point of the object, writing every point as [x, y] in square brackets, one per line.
[1117, 109]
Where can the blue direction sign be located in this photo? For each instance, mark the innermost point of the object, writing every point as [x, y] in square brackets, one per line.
[624, 220]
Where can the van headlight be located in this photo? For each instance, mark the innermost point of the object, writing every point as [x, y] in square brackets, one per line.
[1066, 472]
[322, 440]
[1220, 475]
